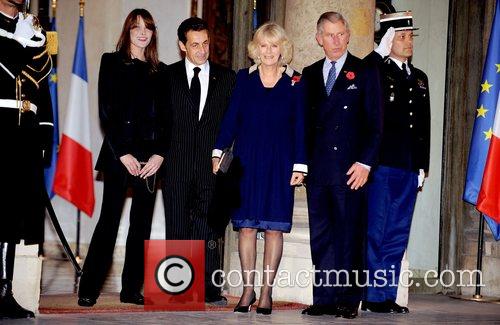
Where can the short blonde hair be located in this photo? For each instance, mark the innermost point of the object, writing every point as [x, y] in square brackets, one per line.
[275, 34]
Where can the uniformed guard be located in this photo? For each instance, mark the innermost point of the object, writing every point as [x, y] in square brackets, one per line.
[25, 140]
[403, 161]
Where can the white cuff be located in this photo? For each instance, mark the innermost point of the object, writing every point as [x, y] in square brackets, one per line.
[216, 153]
[302, 168]
[365, 166]
[421, 178]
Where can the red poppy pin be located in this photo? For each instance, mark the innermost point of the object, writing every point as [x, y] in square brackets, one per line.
[350, 75]
[295, 79]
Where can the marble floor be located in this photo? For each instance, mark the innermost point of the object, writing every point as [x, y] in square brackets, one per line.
[58, 278]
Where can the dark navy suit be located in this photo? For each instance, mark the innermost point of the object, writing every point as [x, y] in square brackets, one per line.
[343, 128]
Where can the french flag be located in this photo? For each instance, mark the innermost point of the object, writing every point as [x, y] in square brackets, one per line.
[74, 174]
[488, 201]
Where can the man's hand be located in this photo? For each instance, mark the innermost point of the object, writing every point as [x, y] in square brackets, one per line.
[132, 165]
[24, 29]
[215, 165]
[385, 46]
[297, 178]
[359, 176]
[151, 166]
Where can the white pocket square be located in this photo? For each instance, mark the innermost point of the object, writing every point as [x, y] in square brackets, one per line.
[353, 86]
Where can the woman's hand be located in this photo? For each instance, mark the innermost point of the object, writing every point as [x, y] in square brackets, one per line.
[151, 166]
[215, 164]
[297, 179]
[132, 165]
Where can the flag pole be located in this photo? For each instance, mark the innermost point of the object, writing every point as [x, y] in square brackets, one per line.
[77, 250]
[78, 212]
[479, 269]
[82, 7]
[54, 7]
[479, 263]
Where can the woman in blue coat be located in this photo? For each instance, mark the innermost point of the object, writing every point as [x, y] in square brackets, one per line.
[265, 121]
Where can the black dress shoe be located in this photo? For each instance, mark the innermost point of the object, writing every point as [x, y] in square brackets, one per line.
[395, 308]
[132, 298]
[376, 307]
[10, 309]
[86, 301]
[318, 310]
[245, 309]
[218, 301]
[347, 311]
[265, 310]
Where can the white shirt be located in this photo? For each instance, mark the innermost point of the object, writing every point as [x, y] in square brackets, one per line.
[204, 77]
[338, 66]
[400, 64]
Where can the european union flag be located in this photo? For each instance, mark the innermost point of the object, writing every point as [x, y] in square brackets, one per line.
[50, 171]
[485, 116]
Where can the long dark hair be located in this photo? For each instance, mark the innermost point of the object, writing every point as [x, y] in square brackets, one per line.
[123, 45]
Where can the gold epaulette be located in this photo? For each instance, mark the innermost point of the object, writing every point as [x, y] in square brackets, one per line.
[52, 43]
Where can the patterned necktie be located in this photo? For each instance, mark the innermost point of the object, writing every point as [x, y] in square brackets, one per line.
[330, 81]
[196, 88]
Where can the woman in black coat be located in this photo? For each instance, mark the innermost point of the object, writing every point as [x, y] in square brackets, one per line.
[131, 154]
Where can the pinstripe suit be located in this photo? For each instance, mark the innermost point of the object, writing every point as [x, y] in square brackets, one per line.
[189, 182]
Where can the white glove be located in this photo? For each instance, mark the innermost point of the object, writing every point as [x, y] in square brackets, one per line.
[421, 178]
[24, 29]
[385, 46]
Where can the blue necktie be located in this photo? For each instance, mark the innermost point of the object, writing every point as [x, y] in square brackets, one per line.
[330, 81]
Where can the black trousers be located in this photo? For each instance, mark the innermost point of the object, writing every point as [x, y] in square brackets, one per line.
[186, 218]
[100, 254]
[337, 217]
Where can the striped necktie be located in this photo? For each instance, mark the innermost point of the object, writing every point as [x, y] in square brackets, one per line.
[330, 81]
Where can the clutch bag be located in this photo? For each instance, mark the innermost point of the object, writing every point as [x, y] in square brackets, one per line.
[225, 160]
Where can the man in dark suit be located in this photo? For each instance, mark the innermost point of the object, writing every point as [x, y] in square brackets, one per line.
[404, 160]
[345, 124]
[199, 93]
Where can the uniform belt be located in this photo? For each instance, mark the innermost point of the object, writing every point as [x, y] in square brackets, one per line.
[24, 105]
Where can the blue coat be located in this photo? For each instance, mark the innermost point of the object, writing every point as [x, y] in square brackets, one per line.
[345, 127]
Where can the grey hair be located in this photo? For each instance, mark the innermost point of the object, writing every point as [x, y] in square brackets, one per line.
[332, 17]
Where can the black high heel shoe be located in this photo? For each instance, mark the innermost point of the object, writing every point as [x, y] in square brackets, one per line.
[245, 309]
[264, 310]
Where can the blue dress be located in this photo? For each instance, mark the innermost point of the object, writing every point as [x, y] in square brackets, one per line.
[267, 126]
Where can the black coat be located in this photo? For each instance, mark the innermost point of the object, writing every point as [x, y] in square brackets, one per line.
[26, 143]
[406, 138]
[345, 127]
[132, 119]
[189, 155]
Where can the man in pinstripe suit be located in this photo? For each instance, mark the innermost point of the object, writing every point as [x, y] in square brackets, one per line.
[198, 95]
